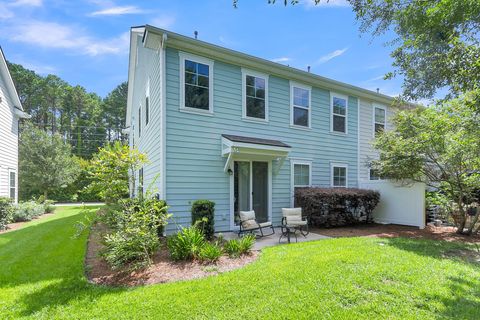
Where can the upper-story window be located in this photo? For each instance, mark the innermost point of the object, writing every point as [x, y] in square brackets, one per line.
[147, 102]
[196, 80]
[255, 96]
[13, 184]
[139, 121]
[339, 111]
[379, 119]
[300, 105]
[339, 173]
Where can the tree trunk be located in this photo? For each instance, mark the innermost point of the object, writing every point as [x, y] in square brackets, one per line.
[473, 222]
[462, 217]
[45, 194]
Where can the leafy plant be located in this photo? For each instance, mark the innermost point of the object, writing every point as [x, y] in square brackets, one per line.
[109, 171]
[246, 243]
[232, 248]
[27, 211]
[210, 252]
[203, 213]
[186, 244]
[6, 212]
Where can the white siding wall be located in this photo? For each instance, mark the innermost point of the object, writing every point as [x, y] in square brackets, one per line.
[149, 62]
[398, 204]
[8, 140]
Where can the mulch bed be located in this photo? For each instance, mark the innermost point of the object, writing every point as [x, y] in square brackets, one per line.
[391, 231]
[161, 271]
[18, 225]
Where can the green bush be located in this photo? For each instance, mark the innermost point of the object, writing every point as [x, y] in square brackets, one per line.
[135, 225]
[232, 248]
[48, 206]
[27, 211]
[210, 252]
[186, 244]
[6, 212]
[246, 243]
[203, 212]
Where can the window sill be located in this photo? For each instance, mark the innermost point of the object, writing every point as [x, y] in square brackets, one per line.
[341, 134]
[293, 126]
[254, 120]
[194, 111]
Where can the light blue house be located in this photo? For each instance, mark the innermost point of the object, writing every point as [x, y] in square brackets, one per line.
[242, 131]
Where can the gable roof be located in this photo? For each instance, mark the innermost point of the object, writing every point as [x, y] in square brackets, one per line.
[5, 74]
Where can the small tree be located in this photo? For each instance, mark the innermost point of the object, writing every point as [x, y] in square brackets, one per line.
[46, 162]
[439, 146]
[113, 169]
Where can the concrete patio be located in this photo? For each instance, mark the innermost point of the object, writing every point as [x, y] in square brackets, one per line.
[273, 240]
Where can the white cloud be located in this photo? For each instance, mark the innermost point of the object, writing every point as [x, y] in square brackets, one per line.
[281, 59]
[164, 22]
[330, 56]
[117, 11]
[31, 3]
[310, 4]
[56, 36]
[376, 78]
[5, 12]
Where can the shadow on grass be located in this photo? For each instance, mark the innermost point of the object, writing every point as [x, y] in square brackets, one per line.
[44, 264]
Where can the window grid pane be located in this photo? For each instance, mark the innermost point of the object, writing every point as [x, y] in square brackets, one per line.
[339, 176]
[339, 106]
[339, 123]
[197, 84]
[301, 175]
[255, 97]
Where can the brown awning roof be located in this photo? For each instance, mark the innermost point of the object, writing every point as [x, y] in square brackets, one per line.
[261, 141]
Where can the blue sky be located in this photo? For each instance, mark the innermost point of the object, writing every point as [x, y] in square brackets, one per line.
[86, 41]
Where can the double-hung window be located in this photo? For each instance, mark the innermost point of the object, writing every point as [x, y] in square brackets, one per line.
[339, 111]
[339, 173]
[139, 121]
[379, 119]
[255, 96]
[301, 171]
[196, 83]
[300, 105]
[140, 182]
[12, 177]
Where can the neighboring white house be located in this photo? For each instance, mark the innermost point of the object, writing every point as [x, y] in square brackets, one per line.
[10, 112]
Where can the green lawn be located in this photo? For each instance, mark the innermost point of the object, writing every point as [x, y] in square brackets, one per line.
[42, 276]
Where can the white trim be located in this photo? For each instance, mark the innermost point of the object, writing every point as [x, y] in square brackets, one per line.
[147, 96]
[341, 96]
[163, 117]
[292, 105]
[252, 148]
[377, 106]
[246, 72]
[293, 162]
[187, 56]
[338, 165]
[232, 187]
[358, 142]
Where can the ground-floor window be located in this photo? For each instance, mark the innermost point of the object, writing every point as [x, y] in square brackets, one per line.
[13, 184]
[339, 174]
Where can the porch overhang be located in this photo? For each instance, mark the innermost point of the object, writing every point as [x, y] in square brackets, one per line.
[233, 146]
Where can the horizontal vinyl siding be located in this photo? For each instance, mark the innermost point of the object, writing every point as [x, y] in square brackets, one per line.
[194, 162]
[149, 65]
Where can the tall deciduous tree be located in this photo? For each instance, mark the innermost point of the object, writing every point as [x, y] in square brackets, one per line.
[45, 161]
[441, 147]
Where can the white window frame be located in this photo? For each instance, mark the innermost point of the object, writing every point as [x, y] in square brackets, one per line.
[338, 165]
[370, 176]
[374, 121]
[10, 186]
[187, 56]
[293, 162]
[147, 107]
[293, 106]
[341, 96]
[245, 73]
[140, 132]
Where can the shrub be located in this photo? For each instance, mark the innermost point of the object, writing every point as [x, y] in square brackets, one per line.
[210, 252]
[134, 239]
[336, 206]
[28, 210]
[186, 244]
[48, 206]
[246, 243]
[6, 212]
[232, 248]
[203, 212]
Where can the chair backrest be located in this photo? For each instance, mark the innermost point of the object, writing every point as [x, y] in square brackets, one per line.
[247, 219]
[292, 213]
